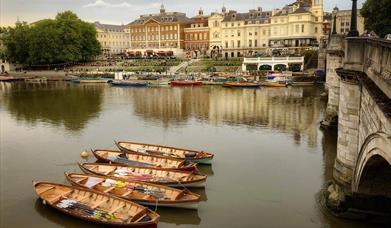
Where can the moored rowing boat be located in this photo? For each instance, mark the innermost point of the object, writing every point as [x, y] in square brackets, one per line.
[129, 84]
[143, 160]
[139, 192]
[173, 178]
[241, 85]
[199, 157]
[186, 83]
[95, 206]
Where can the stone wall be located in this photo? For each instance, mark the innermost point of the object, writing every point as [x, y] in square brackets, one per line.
[348, 130]
[334, 55]
[372, 118]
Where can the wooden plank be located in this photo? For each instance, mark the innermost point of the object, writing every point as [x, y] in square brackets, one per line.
[44, 189]
[109, 189]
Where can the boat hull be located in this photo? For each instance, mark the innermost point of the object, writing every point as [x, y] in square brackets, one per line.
[191, 167]
[129, 84]
[206, 160]
[186, 83]
[241, 85]
[174, 183]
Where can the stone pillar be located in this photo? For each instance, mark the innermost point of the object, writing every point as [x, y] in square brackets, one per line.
[348, 126]
[335, 56]
[244, 68]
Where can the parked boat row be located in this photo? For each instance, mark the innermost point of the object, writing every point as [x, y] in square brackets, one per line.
[111, 192]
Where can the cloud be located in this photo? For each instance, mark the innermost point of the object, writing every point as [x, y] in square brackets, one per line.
[103, 4]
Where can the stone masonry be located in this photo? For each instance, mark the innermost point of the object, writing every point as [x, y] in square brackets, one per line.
[335, 54]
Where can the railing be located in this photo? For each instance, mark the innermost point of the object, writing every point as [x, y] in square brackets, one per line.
[287, 59]
[372, 56]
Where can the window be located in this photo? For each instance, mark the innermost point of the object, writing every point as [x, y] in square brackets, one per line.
[250, 43]
[232, 24]
[297, 28]
[232, 43]
[255, 43]
[238, 44]
[302, 28]
[238, 32]
[316, 29]
[216, 24]
[256, 33]
[226, 44]
[216, 35]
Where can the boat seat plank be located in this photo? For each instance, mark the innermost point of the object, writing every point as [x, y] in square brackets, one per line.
[42, 190]
[126, 193]
[53, 200]
[117, 208]
[139, 215]
[109, 189]
[99, 203]
[179, 195]
[81, 179]
[95, 184]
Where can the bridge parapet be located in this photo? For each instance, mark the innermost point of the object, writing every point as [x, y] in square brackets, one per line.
[364, 116]
[372, 56]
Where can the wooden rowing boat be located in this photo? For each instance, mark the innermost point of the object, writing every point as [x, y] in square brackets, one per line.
[241, 85]
[199, 157]
[186, 83]
[143, 160]
[95, 206]
[173, 178]
[139, 192]
[124, 83]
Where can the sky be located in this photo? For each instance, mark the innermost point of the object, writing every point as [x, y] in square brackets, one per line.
[125, 11]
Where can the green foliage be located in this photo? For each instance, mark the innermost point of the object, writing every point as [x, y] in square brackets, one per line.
[377, 16]
[62, 40]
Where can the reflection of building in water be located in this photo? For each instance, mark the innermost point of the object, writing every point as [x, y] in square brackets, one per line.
[288, 110]
[54, 103]
[294, 110]
[170, 105]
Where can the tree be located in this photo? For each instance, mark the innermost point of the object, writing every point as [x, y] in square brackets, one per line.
[377, 16]
[65, 39]
[16, 40]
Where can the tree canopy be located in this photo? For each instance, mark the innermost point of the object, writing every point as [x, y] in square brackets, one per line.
[64, 39]
[377, 16]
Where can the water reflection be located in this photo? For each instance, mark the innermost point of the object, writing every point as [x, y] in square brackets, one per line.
[181, 216]
[294, 110]
[55, 103]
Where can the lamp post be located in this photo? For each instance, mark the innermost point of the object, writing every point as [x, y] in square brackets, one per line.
[335, 11]
[353, 21]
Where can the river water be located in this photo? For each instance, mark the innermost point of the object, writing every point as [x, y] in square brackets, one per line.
[271, 159]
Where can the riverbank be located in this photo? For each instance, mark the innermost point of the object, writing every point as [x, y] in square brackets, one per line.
[51, 75]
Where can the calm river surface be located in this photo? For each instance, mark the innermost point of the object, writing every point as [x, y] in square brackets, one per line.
[270, 163]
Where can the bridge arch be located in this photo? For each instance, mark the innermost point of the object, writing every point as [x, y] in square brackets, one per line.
[373, 167]
[265, 67]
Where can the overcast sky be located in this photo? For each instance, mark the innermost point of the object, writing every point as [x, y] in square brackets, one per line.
[124, 11]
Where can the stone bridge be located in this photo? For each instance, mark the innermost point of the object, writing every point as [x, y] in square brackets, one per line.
[273, 62]
[359, 87]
